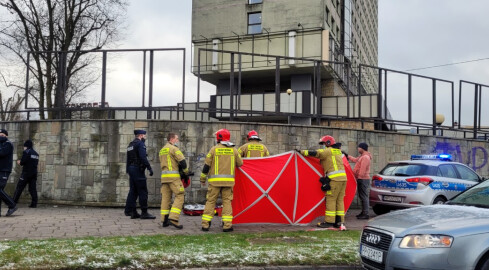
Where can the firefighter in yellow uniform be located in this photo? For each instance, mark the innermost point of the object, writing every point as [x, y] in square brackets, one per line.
[171, 158]
[253, 148]
[332, 162]
[219, 167]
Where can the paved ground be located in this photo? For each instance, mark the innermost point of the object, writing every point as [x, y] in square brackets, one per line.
[51, 221]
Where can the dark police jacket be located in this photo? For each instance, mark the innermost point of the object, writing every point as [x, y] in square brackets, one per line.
[6, 155]
[136, 155]
[29, 161]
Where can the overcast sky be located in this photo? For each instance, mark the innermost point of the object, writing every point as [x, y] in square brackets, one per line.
[412, 34]
[423, 33]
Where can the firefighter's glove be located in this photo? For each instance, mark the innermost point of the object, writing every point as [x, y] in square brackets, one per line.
[325, 183]
[186, 179]
[344, 153]
[185, 171]
[203, 177]
[150, 172]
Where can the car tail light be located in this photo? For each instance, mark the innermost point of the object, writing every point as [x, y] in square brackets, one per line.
[376, 178]
[423, 180]
[415, 203]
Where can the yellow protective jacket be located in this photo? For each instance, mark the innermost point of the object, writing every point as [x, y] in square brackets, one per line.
[170, 156]
[222, 161]
[332, 162]
[253, 149]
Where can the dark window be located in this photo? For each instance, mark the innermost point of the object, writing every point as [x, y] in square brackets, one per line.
[446, 171]
[327, 15]
[255, 2]
[254, 23]
[466, 173]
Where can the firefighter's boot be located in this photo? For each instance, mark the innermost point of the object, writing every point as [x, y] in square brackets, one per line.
[175, 224]
[206, 228]
[326, 225]
[337, 222]
[165, 222]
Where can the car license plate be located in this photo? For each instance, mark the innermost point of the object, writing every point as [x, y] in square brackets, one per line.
[392, 199]
[371, 253]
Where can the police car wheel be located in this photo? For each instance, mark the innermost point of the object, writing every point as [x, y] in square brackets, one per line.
[439, 200]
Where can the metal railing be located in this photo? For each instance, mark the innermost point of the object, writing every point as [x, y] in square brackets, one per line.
[61, 82]
[377, 112]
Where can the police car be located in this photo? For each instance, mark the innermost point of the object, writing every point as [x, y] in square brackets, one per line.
[423, 180]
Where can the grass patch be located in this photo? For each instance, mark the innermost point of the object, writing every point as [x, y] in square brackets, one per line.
[163, 251]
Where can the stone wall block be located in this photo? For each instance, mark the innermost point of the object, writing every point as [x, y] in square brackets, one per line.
[179, 125]
[84, 161]
[83, 157]
[60, 176]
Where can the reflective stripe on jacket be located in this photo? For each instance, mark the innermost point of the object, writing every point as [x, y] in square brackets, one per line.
[222, 161]
[331, 160]
[253, 149]
[170, 155]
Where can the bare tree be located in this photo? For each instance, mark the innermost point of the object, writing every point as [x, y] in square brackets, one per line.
[44, 27]
[9, 106]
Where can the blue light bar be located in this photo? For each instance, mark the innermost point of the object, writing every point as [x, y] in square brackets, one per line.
[432, 157]
[445, 157]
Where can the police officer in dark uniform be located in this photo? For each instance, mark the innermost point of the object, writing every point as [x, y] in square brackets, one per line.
[29, 161]
[136, 164]
[6, 160]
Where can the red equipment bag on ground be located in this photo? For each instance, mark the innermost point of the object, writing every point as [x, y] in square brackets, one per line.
[198, 210]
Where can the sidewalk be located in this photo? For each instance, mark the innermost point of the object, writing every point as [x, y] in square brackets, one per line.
[51, 221]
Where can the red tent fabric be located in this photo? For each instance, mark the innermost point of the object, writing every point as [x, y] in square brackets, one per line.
[283, 189]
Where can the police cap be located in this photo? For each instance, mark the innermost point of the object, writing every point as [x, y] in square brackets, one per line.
[139, 131]
[4, 131]
[28, 144]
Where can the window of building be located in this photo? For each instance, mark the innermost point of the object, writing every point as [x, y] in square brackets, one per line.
[332, 25]
[251, 2]
[254, 23]
[327, 15]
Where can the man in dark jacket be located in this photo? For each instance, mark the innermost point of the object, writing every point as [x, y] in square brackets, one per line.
[6, 160]
[136, 164]
[29, 162]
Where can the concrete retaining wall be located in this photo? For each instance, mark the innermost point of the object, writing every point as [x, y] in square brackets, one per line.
[83, 162]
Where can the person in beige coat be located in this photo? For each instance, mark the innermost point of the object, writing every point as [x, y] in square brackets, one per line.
[254, 148]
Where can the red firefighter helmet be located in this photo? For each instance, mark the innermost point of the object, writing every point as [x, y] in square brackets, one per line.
[223, 135]
[327, 140]
[253, 135]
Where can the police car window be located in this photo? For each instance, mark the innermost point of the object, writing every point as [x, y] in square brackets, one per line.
[466, 173]
[446, 171]
[404, 170]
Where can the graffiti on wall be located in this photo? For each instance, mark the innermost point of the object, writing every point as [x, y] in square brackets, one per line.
[476, 157]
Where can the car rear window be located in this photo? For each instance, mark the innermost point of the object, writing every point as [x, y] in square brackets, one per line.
[405, 169]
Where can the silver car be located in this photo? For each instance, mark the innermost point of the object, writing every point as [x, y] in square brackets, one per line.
[450, 236]
[423, 180]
